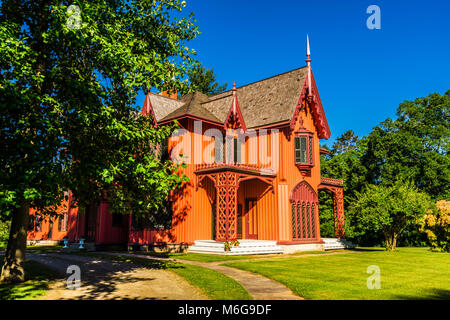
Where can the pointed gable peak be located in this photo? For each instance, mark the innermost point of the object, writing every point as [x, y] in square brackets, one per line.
[234, 118]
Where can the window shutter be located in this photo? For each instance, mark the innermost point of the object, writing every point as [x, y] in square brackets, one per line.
[218, 150]
[237, 151]
[230, 147]
[164, 149]
[310, 150]
[297, 150]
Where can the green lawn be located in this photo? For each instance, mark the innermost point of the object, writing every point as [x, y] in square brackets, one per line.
[37, 279]
[212, 283]
[202, 257]
[409, 273]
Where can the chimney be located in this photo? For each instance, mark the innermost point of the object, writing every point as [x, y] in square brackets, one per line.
[171, 95]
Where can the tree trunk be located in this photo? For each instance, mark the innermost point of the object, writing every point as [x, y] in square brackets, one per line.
[391, 241]
[13, 265]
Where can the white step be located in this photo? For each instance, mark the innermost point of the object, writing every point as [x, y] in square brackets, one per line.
[245, 247]
[336, 244]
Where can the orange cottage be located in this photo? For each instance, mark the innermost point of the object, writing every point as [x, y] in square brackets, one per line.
[253, 162]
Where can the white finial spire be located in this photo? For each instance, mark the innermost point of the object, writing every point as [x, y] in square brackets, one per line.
[234, 97]
[308, 63]
[308, 51]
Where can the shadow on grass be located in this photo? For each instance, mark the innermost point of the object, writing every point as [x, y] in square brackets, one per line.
[214, 284]
[102, 274]
[367, 249]
[37, 278]
[43, 249]
[431, 294]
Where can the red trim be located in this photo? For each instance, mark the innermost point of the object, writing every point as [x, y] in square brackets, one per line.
[191, 116]
[316, 109]
[274, 125]
[235, 117]
[318, 113]
[148, 109]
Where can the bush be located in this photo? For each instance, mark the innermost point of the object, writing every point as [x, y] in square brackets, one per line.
[436, 225]
[4, 231]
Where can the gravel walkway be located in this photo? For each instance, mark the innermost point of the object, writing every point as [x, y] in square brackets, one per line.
[107, 280]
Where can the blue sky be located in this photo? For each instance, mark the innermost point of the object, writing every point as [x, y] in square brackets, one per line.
[362, 75]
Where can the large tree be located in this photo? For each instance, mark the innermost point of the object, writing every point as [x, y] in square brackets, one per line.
[69, 79]
[389, 210]
[415, 146]
[204, 80]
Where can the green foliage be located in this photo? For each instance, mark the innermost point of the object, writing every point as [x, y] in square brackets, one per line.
[388, 210]
[4, 231]
[346, 142]
[67, 99]
[414, 147]
[326, 215]
[204, 80]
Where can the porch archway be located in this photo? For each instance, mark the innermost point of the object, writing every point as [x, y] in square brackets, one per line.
[304, 213]
[336, 188]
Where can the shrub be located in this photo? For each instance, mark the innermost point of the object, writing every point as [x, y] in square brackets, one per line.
[436, 225]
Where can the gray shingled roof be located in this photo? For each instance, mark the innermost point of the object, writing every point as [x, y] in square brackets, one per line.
[162, 106]
[192, 104]
[268, 101]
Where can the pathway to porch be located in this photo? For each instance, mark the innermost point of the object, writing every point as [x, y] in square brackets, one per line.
[118, 280]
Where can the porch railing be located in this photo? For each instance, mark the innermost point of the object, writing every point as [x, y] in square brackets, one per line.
[332, 182]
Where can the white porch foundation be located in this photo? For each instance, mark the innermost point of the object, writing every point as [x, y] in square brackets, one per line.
[336, 244]
[245, 247]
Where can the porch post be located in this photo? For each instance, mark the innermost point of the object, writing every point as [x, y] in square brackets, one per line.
[339, 217]
[226, 224]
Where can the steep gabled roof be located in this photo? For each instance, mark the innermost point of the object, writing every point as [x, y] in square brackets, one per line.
[264, 102]
[162, 105]
[270, 101]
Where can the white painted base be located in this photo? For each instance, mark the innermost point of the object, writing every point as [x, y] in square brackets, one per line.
[245, 247]
[42, 242]
[293, 248]
[336, 244]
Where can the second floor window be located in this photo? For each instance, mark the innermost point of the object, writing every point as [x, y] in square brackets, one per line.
[233, 150]
[304, 149]
[164, 150]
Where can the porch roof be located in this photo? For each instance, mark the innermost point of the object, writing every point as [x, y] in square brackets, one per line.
[239, 168]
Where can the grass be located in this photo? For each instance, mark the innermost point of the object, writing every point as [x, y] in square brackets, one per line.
[37, 280]
[43, 249]
[213, 284]
[202, 257]
[408, 273]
